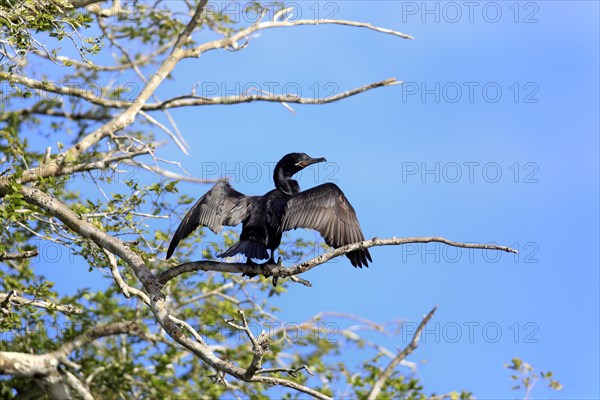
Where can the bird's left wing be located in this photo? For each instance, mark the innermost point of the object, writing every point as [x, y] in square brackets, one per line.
[221, 205]
[326, 209]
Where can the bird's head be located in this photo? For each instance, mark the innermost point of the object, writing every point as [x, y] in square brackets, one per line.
[293, 163]
[289, 165]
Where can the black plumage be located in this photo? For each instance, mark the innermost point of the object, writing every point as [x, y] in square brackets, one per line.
[324, 208]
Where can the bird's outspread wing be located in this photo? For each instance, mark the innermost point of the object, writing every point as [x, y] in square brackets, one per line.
[326, 209]
[221, 205]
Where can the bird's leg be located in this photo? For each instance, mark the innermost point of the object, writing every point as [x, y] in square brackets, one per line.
[271, 260]
[253, 264]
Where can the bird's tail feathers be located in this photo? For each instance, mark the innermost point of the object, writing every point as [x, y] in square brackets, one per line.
[359, 258]
[249, 248]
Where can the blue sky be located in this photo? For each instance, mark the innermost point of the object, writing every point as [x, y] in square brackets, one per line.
[492, 138]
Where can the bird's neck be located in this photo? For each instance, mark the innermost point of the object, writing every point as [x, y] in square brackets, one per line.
[285, 183]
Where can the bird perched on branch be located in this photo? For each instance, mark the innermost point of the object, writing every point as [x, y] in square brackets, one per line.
[324, 208]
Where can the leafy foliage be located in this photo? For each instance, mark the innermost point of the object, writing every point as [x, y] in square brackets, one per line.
[22, 21]
[525, 377]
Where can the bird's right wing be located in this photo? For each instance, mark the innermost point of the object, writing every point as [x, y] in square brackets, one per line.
[221, 205]
[326, 209]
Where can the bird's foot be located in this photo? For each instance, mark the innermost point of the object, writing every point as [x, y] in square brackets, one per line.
[279, 264]
[272, 262]
[264, 267]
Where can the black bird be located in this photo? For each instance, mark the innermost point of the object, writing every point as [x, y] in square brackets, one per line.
[265, 218]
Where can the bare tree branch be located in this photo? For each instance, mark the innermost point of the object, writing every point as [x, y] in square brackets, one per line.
[64, 90]
[43, 108]
[231, 41]
[12, 298]
[18, 256]
[387, 372]
[278, 271]
[54, 381]
[108, 68]
[191, 100]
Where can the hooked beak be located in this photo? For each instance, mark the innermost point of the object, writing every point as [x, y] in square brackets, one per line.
[310, 161]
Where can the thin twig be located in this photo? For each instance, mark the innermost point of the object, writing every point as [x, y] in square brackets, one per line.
[387, 372]
[291, 371]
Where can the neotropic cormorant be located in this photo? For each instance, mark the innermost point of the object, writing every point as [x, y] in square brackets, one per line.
[265, 218]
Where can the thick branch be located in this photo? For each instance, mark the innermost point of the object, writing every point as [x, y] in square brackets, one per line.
[387, 373]
[283, 272]
[54, 381]
[23, 364]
